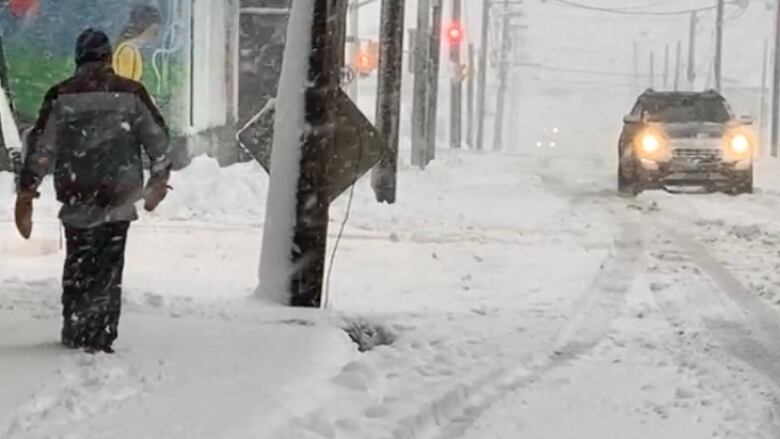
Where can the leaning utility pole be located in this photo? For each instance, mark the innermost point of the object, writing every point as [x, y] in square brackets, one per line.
[482, 74]
[503, 73]
[470, 98]
[692, 52]
[776, 88]
[719, 46]
[456, 90]
[434, 54]
[421, 70]
[388, 103]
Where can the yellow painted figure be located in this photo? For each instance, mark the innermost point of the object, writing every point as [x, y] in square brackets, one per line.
[128, 61]
[141, 30]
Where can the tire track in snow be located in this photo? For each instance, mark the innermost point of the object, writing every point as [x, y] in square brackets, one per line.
[754, 342]
[592, 317]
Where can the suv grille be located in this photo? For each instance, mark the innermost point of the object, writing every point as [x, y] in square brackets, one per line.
[698, 153]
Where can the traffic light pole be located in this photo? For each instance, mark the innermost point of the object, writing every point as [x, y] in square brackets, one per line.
[456, 94]
[421, 71]
[482, 74]
[388, 104]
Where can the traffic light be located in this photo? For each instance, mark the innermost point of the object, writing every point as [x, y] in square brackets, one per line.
[455, 34]
[367, 58]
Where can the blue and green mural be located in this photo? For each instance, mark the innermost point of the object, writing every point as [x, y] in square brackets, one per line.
[151, 37]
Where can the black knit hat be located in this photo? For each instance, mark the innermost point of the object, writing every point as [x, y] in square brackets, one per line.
[93, 45]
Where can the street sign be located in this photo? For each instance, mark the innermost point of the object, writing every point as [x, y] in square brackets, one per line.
[359, 146]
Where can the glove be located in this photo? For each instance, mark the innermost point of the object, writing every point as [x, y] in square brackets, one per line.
[23, 213]
[156, 191]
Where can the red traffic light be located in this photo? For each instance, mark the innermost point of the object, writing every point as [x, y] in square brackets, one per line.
[455, 33]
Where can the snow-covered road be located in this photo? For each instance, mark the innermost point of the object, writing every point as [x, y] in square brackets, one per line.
[527, 299]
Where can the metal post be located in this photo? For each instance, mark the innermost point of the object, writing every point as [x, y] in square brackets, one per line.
[776, 88]
[470, 98]
[433, 79]
[354, 38]
[421, 69]
[388, 103]
[456, 90]
[482, 74]
[692, 52]
[678, 67]
[719, 46]
[503, 72]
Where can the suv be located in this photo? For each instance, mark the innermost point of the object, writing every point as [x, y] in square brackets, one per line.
[685, 139]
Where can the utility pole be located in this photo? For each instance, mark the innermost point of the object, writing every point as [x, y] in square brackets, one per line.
[762, 120]
[678, 67]
[666, 67]
[388, 103]
[470, 98]
[421, 80]
[354, 38]
[482, 74]
[652, 69]
[456, 91]
[319, 151]
[433, 79]
[692, 52]
[311, 212]
[776, 88]
[636, 67]
[503, 72]
[719, 46]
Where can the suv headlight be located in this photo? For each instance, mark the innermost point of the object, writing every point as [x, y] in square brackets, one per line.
[739, 145]
[651, 144]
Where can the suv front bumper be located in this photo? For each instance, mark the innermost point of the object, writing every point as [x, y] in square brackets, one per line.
[693, 172]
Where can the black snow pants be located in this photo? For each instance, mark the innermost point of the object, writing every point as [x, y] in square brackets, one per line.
[92, 285]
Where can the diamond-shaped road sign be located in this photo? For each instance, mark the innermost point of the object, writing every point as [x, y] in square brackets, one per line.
[359, 146]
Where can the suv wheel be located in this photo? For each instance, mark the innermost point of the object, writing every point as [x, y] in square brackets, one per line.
[743, 184]
[627, 185]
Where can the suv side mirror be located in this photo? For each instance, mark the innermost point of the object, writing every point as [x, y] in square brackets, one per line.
[630, 119]
[746, 120]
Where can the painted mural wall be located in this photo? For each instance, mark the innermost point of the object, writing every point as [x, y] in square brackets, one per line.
[151, 40]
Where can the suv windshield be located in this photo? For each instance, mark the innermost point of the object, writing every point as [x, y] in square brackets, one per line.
[682, 110]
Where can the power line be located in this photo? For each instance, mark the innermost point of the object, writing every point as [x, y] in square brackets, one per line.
[630, 12]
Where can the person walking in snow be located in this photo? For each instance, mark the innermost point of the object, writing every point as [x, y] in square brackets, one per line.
[92, 129]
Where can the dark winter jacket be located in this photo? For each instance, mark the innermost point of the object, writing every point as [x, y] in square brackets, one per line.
[93, 128]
